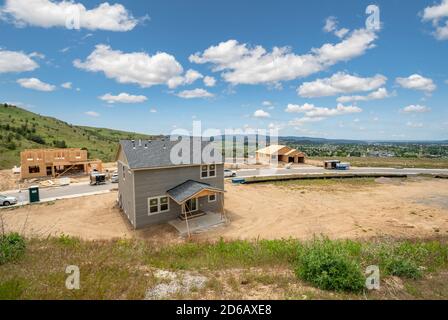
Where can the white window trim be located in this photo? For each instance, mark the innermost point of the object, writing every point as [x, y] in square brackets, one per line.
[216, 196]
[158, 205]
[208, 171]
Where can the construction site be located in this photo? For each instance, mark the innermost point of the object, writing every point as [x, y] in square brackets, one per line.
[53, 163]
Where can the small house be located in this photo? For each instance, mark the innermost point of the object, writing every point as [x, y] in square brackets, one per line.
[279, 153]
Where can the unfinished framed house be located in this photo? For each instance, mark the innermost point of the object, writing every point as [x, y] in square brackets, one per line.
[279, 153]
[153, 189]
[56, 162]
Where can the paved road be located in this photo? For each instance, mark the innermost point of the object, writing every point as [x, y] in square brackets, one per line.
[64, 191]
[317, 170]
[80, 189]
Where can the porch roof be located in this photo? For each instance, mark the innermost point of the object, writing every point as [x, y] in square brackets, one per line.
[189, 189]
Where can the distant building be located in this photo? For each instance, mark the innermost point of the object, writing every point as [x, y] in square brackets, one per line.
[55, 162]
[280, 153]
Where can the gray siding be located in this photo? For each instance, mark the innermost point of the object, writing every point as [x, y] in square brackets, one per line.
[155, 182]
[126, 191]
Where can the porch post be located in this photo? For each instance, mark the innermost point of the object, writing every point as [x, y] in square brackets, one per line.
[223, 213]
[186, 219]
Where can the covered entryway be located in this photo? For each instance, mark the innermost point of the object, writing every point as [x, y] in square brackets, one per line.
[188, 195]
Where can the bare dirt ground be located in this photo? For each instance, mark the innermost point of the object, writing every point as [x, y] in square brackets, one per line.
[8, 180]
[402, 209]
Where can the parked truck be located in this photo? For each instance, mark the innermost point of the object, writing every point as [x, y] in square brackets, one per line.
[97, 178]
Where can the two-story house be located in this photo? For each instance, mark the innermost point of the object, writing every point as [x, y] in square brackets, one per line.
[36, 163]
[154, 189]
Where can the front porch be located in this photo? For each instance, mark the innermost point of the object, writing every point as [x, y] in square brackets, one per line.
[198, 224]
[194, 215]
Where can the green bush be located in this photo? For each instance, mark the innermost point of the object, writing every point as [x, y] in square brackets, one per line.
[67, 240]
[329, 266]
[12, 246]
[402, 267]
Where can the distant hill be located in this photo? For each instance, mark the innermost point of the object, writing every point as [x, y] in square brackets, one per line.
[310, 140]
[21, 129]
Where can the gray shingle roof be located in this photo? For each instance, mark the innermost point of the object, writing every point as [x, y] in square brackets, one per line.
[156, 153]
[186, 190]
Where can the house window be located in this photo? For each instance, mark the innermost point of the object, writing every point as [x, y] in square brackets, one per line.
[158, 205]
[78, 155]
[29, 157]
[34, 169]
[212, 197]
[208, 171]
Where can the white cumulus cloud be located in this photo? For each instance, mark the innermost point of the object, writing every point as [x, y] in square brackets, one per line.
[136, 67]
[209, 81]
[438, 15]
[260, 113]
[92, 113]
[313, 114]
[243, 64]
[123, 98]
[66, 85]
[331, 25]
[13, 61]
[189, 77]
[195, 93]
[47, 14]
[340, 83]
[379, 94]
[35, 84]
[416, 108]
[417, 82]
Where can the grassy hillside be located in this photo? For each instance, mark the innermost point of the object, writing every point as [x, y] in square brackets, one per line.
[21, 129]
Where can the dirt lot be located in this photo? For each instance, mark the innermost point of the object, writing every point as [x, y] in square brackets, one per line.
[349, 209]
[345, 210]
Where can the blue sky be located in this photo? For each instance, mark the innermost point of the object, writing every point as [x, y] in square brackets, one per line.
[307, 68]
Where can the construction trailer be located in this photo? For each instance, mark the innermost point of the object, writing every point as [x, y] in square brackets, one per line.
[279, 153]
[331, 164]
[37, 163]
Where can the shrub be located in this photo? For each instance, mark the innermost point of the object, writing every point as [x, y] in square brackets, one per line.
[59, 144]
[12, 246]
[328, 266]
[35, 138]
[402, 267]
[67, 240]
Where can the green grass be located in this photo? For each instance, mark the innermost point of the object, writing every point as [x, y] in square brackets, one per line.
[12, 289]
[12, 246]
[21, 129]
[122, 269]
[393, 162]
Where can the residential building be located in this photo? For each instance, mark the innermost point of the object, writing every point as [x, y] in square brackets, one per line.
[154, 188]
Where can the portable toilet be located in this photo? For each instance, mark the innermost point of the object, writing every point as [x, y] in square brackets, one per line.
[34, 194]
